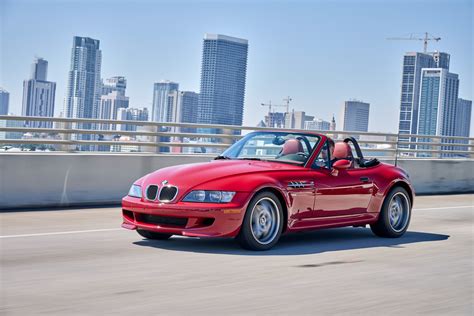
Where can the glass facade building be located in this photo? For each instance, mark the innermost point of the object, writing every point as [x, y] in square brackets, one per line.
[4, 101]
[463, 117]
[223, 75]
[39, 94]
[413, 63]
[355, 116]
[84, 84]
[162, 109]
[438, 99]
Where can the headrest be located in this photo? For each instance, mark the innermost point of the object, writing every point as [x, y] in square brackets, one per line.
[292, 146]
[342, 151]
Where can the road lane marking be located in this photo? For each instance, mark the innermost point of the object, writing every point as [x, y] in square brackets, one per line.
[63, 233]
[443, 208]
[116, 229]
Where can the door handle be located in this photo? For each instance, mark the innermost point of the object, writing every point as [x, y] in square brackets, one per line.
[365, 179]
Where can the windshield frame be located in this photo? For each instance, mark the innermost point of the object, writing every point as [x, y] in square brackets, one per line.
[235, 149]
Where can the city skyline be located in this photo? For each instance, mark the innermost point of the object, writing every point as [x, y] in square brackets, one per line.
[278, 65]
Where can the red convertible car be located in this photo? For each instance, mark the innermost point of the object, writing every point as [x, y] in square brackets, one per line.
[269, 183]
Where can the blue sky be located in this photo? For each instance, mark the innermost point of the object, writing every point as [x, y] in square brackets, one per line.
[318, 52]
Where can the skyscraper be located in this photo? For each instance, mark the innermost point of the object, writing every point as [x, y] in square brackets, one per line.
[355, 116]
[39, 94]
[413, 62]
[438, 99]
[223, 74]
[275, 119]
[131, 114]
[113, 99]
[39, 69]
[84, 85]
[4, 100]
[117, 83]
[189, 101]
[296, 119]
[162, 109]
[462, 122]
[463, 118]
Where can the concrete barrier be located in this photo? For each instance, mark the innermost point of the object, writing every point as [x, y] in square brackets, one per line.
[62, 179]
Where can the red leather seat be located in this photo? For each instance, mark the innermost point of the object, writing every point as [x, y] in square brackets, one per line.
[292, 146]
[343, 151]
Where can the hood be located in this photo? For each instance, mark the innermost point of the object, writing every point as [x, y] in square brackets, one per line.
[189, 176]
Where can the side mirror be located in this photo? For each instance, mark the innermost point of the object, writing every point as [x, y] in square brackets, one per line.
[341, 164]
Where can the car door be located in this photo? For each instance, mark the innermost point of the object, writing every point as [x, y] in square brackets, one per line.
[342, 192]
[339, 195]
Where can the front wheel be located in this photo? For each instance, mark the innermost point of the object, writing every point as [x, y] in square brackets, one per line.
[153, 235]
[262, 224]
[395, 215]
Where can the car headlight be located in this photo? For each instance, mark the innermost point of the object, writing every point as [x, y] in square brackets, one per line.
[209, 196]
[135, 191]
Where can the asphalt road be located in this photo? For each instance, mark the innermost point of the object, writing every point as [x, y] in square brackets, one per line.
[79, 262]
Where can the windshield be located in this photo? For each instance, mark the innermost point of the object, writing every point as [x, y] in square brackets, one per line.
[275, 146]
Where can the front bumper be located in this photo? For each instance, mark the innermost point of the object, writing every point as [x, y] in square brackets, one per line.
[187, 219]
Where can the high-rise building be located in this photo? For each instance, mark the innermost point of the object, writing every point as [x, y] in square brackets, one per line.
[413, 63]
[355, 116]
[109, 105]
[188, 102]
[39, 94]
[463, 118]
[84, 84]
[39, 69]
[462, 123]
[275, 119]
[438, 99]
[4, 101]
[131, 114]
[223, 75]
[162, 109]
[113, 99]
[117, 83]
[297, 119]
[317, 124]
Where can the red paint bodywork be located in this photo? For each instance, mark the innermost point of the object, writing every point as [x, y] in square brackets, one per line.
[338, 198]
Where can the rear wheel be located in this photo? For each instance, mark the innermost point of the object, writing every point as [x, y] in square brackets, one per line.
[395, 215]
[153, 235]
[263, 222]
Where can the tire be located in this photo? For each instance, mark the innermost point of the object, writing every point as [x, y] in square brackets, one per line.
[263, 222]
[153, 235]
[393, 220]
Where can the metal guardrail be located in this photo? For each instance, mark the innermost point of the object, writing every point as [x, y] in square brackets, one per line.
[79, 134]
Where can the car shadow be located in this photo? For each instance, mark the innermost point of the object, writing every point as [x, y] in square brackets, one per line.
[304, 243]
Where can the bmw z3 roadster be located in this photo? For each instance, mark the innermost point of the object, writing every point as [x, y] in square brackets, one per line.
[270, 183]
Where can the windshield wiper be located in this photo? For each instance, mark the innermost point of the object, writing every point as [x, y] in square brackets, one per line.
[221, 157]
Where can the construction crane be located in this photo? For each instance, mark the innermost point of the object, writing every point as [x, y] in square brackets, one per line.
[270, 105]
[425, 39]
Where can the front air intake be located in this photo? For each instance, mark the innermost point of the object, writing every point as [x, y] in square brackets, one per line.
[151, 192]
[168, 193]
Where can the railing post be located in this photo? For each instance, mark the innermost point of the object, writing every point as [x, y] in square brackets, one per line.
[438, 141]
[66, 137]
[470, 149]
